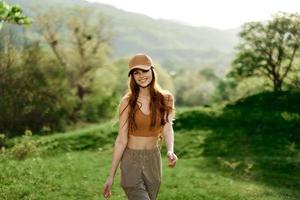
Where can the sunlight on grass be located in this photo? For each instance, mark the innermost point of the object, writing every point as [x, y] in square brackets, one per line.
[222, 156]
[80, 175]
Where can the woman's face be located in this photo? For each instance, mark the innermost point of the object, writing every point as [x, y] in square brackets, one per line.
[142, 77]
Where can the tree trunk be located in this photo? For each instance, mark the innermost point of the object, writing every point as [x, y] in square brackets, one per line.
[277, 84]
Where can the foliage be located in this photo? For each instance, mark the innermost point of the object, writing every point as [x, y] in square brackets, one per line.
[194, 87]
[91, 138]
[46, 89]
[266, 113]
[229, 90]
[225, 90]
[255, 138]
[34, 92]
[12, 14]
[174, 45]
[25, 147]
[2, 141]
[79, 40]
[268, 50]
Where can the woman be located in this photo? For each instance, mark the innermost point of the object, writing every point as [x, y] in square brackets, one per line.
[145, 115]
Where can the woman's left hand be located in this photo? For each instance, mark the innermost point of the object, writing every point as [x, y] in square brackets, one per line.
[172, 158]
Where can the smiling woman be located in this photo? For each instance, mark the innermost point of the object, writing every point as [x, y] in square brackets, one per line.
[140, 66]
[145, 115]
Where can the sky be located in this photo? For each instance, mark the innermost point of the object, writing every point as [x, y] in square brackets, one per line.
[221, 14]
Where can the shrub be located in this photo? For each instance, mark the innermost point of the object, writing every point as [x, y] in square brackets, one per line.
[25, 148]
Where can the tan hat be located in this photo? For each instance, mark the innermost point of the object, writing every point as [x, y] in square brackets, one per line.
[140, 61]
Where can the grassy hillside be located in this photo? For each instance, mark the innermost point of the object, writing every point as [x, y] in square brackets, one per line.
[257, 138]
[244, 151]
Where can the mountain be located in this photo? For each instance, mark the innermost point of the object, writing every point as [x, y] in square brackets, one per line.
[173, 44]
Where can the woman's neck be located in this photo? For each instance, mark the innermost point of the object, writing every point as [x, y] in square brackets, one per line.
[144, 92]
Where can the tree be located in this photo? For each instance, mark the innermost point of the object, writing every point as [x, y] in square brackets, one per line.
[34, 92]
[268, 49]
[12, 14]
[79, 38]
[194, 88]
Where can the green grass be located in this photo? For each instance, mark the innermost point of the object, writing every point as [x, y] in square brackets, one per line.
[80, 175]
[257, 138]
[244, 151]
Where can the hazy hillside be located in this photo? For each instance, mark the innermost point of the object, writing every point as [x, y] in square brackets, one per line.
[173, 44]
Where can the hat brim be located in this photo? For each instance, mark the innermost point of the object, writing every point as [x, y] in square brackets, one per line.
[143, 67]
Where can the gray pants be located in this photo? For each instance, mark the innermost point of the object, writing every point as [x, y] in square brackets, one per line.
[141, 172]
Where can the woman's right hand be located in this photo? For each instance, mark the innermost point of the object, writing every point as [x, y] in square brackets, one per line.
[107, 187]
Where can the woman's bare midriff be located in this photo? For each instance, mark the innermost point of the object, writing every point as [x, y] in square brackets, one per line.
[137, 142]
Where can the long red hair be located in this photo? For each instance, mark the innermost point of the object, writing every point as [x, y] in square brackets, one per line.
[158, 102]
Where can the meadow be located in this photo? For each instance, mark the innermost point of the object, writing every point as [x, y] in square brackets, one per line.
[245, 150]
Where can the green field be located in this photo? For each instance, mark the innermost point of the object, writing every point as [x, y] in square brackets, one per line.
[246, 150]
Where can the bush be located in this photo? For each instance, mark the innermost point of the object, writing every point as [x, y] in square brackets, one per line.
[27, 147]
[34, 93]
[2, 140]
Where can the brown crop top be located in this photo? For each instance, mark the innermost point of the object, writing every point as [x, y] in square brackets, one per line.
[143, 123]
